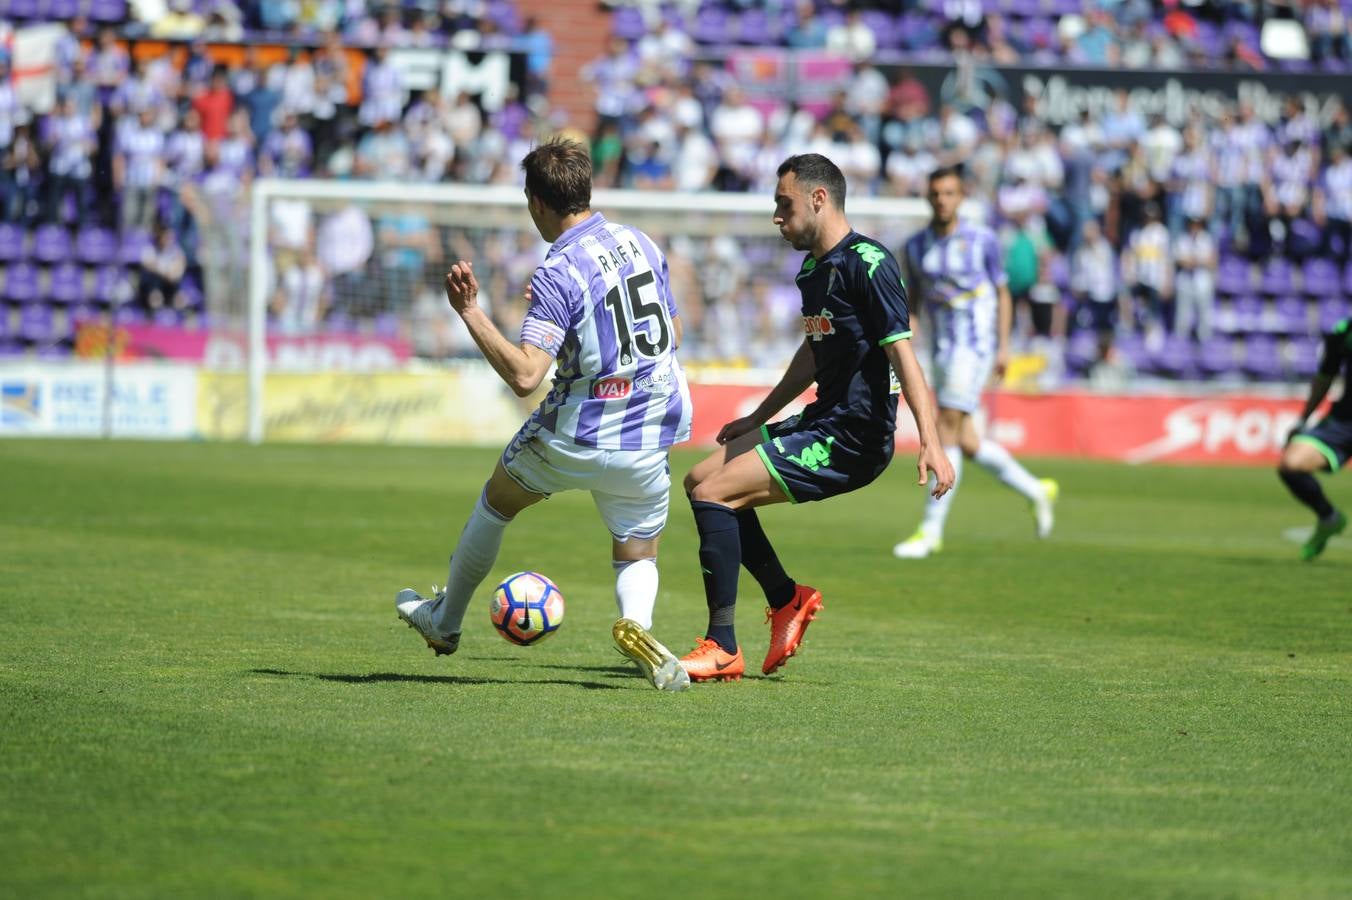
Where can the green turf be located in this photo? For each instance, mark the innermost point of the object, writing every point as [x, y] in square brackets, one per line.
[204, 691]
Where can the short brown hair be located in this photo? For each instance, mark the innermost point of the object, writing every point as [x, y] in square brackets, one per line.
[559, 175]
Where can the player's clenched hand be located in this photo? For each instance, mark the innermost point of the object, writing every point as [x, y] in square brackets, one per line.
[461, 286]
[1001, 363]
[933, 459]
[737, 428]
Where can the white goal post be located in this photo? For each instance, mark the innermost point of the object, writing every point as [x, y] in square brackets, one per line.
[724, 244]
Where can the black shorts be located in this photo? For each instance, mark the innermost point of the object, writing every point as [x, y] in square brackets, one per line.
[815, 460]
[1331, 437]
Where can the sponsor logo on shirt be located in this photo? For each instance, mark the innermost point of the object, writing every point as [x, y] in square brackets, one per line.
[657, 382]
[613, 388]
[819, 326]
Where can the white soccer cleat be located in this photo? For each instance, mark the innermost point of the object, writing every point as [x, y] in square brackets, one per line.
[417, 612]
[658, 664]
[917, 546]
[1043, 513]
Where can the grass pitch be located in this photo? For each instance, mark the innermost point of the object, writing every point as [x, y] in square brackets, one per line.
[204, 691]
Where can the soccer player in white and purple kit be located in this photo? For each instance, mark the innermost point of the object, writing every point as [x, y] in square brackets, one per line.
[601, 308]
[954, 270]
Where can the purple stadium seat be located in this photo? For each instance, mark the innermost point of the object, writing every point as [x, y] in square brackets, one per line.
[134, 244]
[1303, 355]
[1347, 280]
[753, 28]
[51, 244]
[1291, 315]
[13, 242]
[24, 9]
[1234, 276]
[1320, 277]
[129, 315]
[95, 246]
[1131, 349]
[884, 28]
[166, 317]
[1174, 357]
[1262, 360]
[37, 323]
[83, 314]
[10, 348]
[110, 285]
[22, 282]
[67, 283]
[6, 331]
[711, 26]
[338, 323]
[53, 351]
[1278, 277]
[1332, 310]
[1081, 351]
[191, 292]
[1215, 356]
[107, 10]
[62, 9]
[1248, 311]
[627, 22]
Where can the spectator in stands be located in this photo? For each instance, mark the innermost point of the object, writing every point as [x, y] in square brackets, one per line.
[384, 152]
[163, 265]
[109, 63]
[20, 175]
[71, 143]
[1195, 257]
[409, 246]
[138, 170]
[1327, 26]
[1148, 267]
[852, 38]
[382, 90]
[298, 301]
[696, 160]
[1333, 203]
[288, 150]
[1192, 177]
[215, 104]
[736, 126]
[808, 31]
[1094, 286]
[1290, 172]
[612, 76]
[181, 22]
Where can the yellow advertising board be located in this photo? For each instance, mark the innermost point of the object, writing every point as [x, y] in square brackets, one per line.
[470, 406]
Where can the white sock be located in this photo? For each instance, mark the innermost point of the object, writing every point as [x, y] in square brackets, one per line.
[474, 556]
[936, 511]
[636, 589]
[1002, 465]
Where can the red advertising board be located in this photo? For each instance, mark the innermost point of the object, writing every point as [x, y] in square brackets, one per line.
[1221, 429]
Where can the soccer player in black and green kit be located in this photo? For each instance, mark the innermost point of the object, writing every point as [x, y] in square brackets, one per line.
[856, 326]
[1325, 446]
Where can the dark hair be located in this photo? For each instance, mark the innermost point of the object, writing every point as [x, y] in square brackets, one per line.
[559, 175]
[814, 170]
[946, 172]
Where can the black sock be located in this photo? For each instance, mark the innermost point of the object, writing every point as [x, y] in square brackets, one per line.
[1305, 487]
[762, 562]
[720, 557]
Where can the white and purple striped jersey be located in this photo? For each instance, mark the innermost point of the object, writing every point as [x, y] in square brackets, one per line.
[602, 303]
[956, 278]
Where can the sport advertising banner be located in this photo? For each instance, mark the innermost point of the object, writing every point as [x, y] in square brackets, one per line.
[68, 400]
[1221, 429]
[470, 406]
[230, 351]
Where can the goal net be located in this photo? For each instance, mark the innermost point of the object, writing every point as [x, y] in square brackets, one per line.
[345, 279]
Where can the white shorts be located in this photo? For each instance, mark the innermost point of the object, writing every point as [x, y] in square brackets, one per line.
[631, 488]
[960, 376]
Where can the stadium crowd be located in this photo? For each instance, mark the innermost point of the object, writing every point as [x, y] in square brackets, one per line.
[1121, 231]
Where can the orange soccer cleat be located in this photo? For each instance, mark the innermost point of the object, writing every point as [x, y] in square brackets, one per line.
[788, 625]
[710, 662]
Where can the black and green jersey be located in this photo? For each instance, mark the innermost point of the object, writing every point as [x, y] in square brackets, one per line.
[1338, 355]
[854, 304]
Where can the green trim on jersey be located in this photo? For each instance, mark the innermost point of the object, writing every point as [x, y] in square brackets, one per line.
[770, 467]
[903, 336]
[765, 432]
[1322, 447]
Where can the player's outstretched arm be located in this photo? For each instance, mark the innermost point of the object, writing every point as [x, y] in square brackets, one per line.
[522, 366]
[798, 377]
[913, 387]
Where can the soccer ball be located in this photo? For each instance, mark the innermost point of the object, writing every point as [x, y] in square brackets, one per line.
[527, 608]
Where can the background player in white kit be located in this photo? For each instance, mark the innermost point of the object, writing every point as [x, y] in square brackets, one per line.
[600, 305]
[953, 270]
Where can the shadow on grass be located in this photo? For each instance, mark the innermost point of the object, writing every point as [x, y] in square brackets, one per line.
[379, 677]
